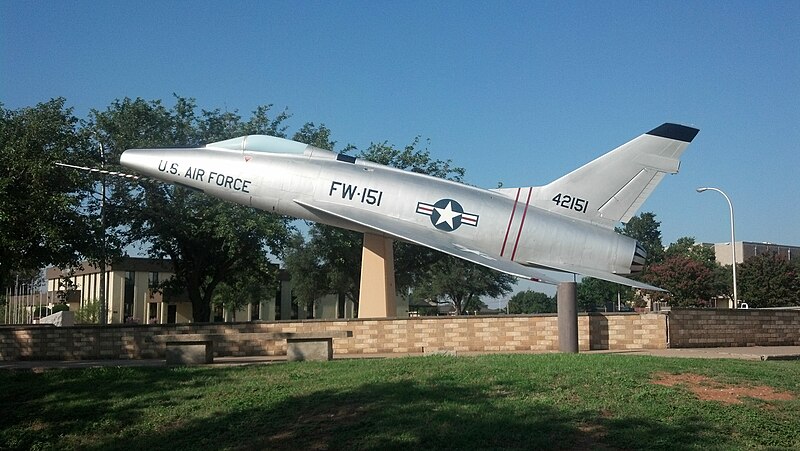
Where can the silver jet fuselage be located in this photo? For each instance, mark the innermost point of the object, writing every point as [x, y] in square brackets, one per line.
[566, 225]
[345, 192]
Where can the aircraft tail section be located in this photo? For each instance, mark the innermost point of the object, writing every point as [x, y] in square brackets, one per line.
[611, 188]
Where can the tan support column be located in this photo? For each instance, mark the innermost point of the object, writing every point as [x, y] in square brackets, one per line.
[377, 294]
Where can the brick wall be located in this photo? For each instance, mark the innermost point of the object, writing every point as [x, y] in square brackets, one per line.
[686, 328]
[370, 336]
[696, 328]
[622, 331]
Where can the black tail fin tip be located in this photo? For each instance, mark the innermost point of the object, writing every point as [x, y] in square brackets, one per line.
[675, 131]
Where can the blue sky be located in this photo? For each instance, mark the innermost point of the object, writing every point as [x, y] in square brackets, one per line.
[515, 92]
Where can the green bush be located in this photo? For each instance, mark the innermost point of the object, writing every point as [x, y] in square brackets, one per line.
[89, 313]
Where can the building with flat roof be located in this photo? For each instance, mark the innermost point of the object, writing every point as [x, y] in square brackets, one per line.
[747, 249]
[133, 297]
[130, 290]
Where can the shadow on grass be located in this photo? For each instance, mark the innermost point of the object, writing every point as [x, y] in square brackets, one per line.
[396, 407]
[43, 408]
[407, 414]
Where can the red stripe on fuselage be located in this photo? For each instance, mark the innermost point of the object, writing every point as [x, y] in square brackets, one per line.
[511, 220]
[522, 223]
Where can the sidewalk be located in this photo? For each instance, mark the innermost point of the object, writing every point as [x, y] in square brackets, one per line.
[744, 353]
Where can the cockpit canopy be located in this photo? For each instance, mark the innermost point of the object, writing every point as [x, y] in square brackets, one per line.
[260, 143]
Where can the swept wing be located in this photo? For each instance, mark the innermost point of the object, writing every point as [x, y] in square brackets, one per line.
[422, 236]
[425, 237]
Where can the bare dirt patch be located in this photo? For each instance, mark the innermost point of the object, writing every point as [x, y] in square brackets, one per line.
[707, 389]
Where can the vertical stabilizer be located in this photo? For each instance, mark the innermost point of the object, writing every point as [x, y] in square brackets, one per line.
[611, 188]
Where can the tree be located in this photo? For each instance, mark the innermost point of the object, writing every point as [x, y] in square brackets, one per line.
[41, 217]
[208, 241]
[690, 282]
[413, 159]
[530, 301]
[595, 293]
[645, 229]
[687, 246]
[317, 136]
[308, 275]
[768, 280]
[697, 287]
[247, 287]
[328, 262]
[461, 284]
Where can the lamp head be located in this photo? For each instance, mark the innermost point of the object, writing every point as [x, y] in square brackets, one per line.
[700, 190]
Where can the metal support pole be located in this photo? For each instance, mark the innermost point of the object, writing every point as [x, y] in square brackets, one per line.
[16, 301]
[27, 310]
[103, 295]
[567, 317]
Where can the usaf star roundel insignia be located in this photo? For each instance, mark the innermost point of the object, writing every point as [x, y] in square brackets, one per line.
[447, 214]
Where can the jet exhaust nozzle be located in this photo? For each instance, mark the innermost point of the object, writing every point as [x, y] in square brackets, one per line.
[639, 257]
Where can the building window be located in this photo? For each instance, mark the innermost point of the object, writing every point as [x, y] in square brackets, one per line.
[152, 280]
[128, 297]
[152, 315]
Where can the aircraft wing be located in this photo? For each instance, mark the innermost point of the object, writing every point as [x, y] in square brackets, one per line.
[412, 233]
[435, 240]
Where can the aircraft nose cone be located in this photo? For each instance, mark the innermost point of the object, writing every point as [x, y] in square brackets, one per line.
[143, 161]
[131, 158]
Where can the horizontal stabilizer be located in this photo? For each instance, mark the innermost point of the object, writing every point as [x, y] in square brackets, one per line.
[599, 275]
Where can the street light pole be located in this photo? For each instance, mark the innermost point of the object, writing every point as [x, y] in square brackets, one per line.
[733, 240]
[103, 314]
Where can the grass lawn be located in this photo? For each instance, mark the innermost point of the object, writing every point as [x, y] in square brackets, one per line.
[546, 401]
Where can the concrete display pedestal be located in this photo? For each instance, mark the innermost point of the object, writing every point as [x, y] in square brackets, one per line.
[377, 294]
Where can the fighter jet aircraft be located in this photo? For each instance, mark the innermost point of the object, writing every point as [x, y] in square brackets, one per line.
[566, 225]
